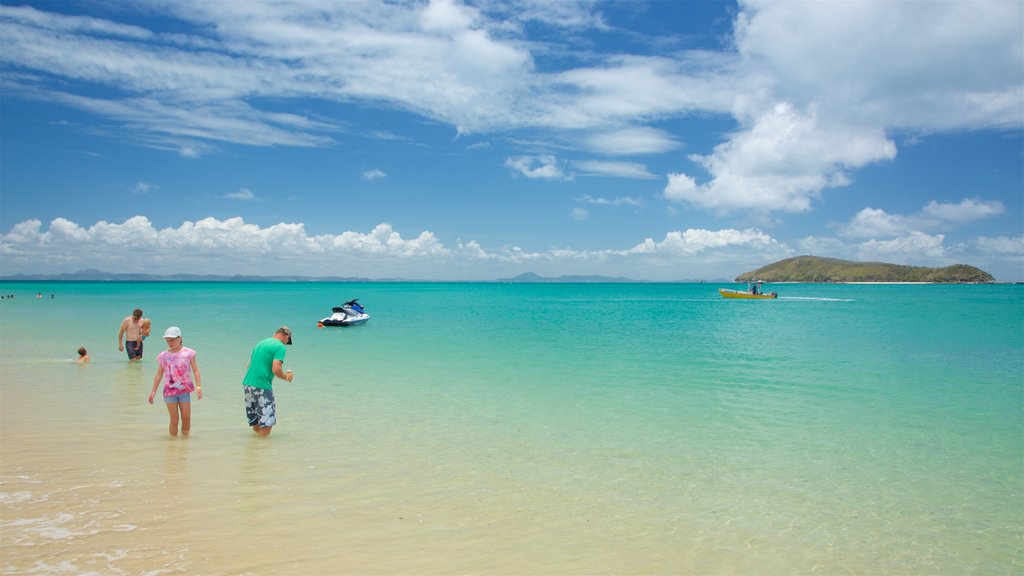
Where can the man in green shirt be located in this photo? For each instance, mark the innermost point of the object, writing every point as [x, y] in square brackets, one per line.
[267, 361]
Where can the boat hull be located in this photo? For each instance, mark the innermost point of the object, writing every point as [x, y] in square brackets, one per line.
[726, 293]
[337, 323]
[345, 320]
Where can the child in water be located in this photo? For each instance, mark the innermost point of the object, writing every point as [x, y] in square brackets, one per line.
[176, 363]
[144, 327]
[83, 356]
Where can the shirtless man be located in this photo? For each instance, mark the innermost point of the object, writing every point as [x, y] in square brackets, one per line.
[129, 335]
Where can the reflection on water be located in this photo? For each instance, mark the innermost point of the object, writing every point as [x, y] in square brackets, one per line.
[132, 382]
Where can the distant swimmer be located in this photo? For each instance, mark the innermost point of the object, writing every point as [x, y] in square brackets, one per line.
[83, 356]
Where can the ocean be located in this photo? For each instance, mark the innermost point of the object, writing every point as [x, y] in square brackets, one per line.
[489, 428]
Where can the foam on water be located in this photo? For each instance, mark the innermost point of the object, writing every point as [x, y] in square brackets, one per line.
[816, 299]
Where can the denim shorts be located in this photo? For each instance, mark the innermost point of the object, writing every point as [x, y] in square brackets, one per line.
[178, 398]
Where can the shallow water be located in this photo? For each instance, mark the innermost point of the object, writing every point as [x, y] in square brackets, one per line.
[522, 428]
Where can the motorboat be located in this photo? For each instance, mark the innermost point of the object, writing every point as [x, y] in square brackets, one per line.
[350, 313]
[753, 292]
[727, 293]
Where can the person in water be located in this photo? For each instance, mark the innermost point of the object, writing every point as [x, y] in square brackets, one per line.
[178, 364]
[130, 335]
[83, 356]
[265, 362]
[145, 327]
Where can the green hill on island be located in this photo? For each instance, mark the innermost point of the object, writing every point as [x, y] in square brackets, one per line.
[817, 269]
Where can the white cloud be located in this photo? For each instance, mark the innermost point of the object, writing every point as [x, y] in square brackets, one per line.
[1011, 245]
[579, 213]
[142, 187]
[31, 17]
[373, 174]
[241, 194]
[1001, 256]
[927, 65]
[617, 169]
[963, 212]
[622, 201]
[224, 244]
[934, 217]
[233, 246]
[631, 141]
[447, 17]
[698, 240]
[543, 167]
[872, 222]
[812, 97]
[826, 247]
[782, 162]
[813, 101]
[914, 248]
[564, 14]
[27, 232]
[628, 90]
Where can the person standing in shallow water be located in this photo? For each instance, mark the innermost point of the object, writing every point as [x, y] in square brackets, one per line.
[176, 363]
[266, 362]
[129, 336]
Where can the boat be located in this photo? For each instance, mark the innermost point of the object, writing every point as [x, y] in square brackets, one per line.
[753, 292]
[350, 313]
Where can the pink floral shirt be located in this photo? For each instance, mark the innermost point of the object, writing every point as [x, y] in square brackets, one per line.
[177, 371]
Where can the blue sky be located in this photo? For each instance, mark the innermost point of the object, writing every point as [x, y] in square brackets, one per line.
[478, 140]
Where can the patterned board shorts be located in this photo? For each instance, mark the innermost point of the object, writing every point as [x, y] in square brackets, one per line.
[133, 348]
[260, 407]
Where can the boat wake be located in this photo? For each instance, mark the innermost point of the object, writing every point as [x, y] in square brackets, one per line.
[816, 299]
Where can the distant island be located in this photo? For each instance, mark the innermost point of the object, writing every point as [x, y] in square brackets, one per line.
[817, 269]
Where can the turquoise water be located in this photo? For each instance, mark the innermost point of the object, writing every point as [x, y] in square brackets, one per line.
[550, 428]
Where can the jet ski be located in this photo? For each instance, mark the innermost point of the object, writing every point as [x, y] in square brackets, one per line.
[350, 313]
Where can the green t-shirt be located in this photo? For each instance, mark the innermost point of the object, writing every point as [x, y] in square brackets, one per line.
[261, 365]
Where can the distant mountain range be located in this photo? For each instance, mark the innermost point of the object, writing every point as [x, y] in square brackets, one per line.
[817, 269]
[100, 276]
[536, 278]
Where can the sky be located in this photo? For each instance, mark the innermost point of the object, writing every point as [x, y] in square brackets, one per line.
[450, 140]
